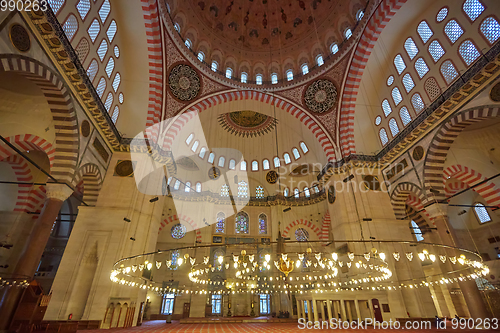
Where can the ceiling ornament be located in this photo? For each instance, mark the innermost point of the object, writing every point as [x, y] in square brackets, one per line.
[272, 177]
[20, 38]
[184, 82]
[247, 123]
[320, 96]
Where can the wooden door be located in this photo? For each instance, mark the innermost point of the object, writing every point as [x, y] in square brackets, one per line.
[185, 313]
[377, 311]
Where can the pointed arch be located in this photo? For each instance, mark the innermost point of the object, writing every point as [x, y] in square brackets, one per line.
[325, 227]
[90, 177]
[306, 223]
[400, 195]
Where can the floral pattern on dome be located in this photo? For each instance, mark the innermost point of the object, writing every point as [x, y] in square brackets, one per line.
[184, 82]
[320, 96]
[247, 123]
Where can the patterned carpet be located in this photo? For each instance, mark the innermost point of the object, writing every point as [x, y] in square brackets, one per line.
[159, 326]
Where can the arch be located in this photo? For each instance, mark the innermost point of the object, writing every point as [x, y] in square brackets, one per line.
[155, 59]
[454, 187]
[325, 226]
[406, 193]
[314, 228]
[377, 22]
[470, 177]
[90, 177]
[185, 116]
[176, 219]
[23, 174]
[442, 141]
[64, 115]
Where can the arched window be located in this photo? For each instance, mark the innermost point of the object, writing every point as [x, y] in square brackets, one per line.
[229, 72]
[296, 153]
[116, 82]
[416, 231]
[177, 27]
[241, 226]
[255, 166]
[301, 235]
[436, 50]
[116, 113]
[286, 192]
[276, 162]
[70, 26]
[110, 67]
[411, 48]
[405, 115]
[417, 102]
[396, 96]
[359, 15]
[347, 33]
[481, 213]
[222, 161]
[289, 75]
[188, 43]
[244, 77]
[468, 52]
[393, 125]
[83, 8]
[334, 48]
[55, 5]
[448, 71]
[220, 225]
[224, 190]
[201, 56]
[243, 166]
[307, 193]
[319, 60]
[287, 158]
[103, 49]
[453, 30]
[304, 147]
[473, 8]
[399, 63]
[211, 158]
[490, 29]
[421, 67]
[169, 180]
[111, 32]
[108, 102]
[259, 192]
[262, 223]
[198, 187]
[265, 164]
[187, 187]
[305, 69]
[242, 189]
[203, 150]
[101, 86]
[258, 79]
[296, 193]
[232, 164]
[82, 49]
[177, 184]
[316, 188]
[214, 66]
[274, 78]
[92, 70]
[424, 31]
[189, 139]
[104, 11]
[195, 146]
[441, 15]
[383, 136]
[408, 82]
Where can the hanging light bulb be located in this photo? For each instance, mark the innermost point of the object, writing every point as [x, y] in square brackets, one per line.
[453, 260]
[301, 256]
[134, 268]
[220, 259]
[421, 256]
[297, 264]
[349, 264]
[192, 261]
[267, 257]
[335, 256]
[442, 258]
[432, 257]
[251, 257]
[382, 256]
[396, 256]
[351, 256]
[227, 266]
[169, 263]
[149, 266]
[409, 256]
[367, 256]
[206, 259]
[235, 265]
[180, 261]
[158, 264]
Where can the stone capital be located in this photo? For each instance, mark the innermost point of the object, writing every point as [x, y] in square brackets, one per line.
[58, 191]
[436, 209]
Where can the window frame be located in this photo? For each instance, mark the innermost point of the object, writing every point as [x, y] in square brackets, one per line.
[430, 37]
[443, 77]
[77, 27]
[481, 33]
[463, 60]
[477, 216]
[467, 16]
[446, 35]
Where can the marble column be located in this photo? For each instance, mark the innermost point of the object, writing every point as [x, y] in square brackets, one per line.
[315, 309]
[298, 308]
[309, 311]
[342, 310]
[303, 310]
[329, 309]
[358, 313]
[322, 309]
[32, 252]
[336, 309]
[349, 311]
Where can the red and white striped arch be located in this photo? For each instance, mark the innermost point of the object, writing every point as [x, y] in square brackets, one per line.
[27, 142]
[382, 15]
[211, 101]
[302, 222]
[325, 227]
[174, 219]
[454, 187]
[471, 177]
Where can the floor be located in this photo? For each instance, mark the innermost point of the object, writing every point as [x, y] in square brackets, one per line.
[159, 326]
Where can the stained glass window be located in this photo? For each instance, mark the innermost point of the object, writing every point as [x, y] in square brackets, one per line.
[211, 158]
[305, 69]
[224, 190]
[104, 10]
[421, 67]
[416, 231]
[83, 7]
[70, 26]
[393, 125]
[417, 102]
[116, 113]
[110, 67]
[198, 187]
[241, 226]
[108, 102]
[296, 193]
[396, 96]
[214, 66]
[378, 120]
[399, 63]
[222, 161]
[189, 138]
[265, 164]
[201, 56]
[177, 184]
[103, 49]
[468, 52]
[490, 29]
[287, 158]
[424, 31]
[92, 70]
[187, 187]
[274, 78]
[482, 213]
[304, 148]
[101, 86]
[436, 50]
[232, 164]
[390, 80]
[473, 8]
[111, 32]
[334, 48]
[262, 223]
[296, 153]
[383, 136]
[259, 192]
[195, 146]
[178, 231]
[220, 225]
[255, 166]
[242, 189]
[319, 60]
[360, 15]
[243, 166]
[347, 33]
[307, 193]
[244, 77]
[289, 75]
[386, 107]
[286, 192]
[411, 48]
[175, 257]
[55, 5]
[203, 150]
[94, 30]
[449, 71]
[301, 235]
[405, 115]
[276, 162]
[116, 81]
[229, 72]
[258, 79]
[408, 82]
[453, 30]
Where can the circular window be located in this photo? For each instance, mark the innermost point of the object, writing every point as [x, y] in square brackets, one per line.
[178, 231]
[390, 80]
[418, 153]
[442, 14]
[117, 51]
[301, 235]
[371, 182]
[120, 98]
[378, 120]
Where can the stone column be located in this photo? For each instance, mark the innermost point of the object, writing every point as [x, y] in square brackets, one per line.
[298, 308]
[322, 310]
[358, 313]
[473, 299]
[336, 309]
[303, 308]
[315, 308]
[329, 309]
[342, 310]
[349, 312]
[309, 311]
[33, 249]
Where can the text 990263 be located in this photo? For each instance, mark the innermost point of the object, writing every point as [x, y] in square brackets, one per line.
[23, 5]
